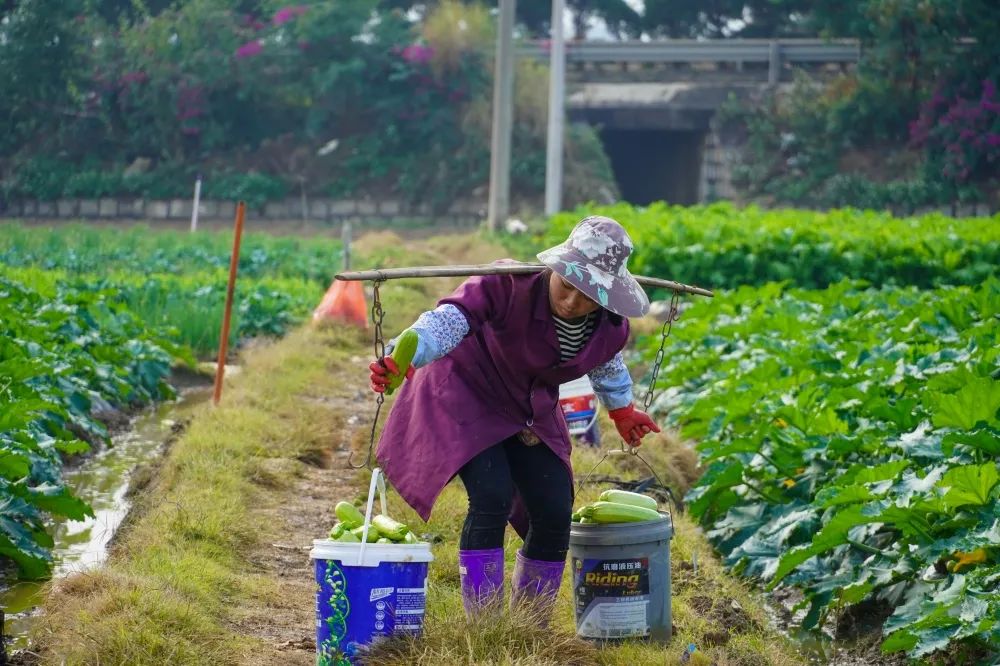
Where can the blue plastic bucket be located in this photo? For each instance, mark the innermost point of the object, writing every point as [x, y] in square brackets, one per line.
[366, 592]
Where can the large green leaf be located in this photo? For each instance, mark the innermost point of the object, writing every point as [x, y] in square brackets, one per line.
[985, 439]
[19, 543]
[865, 473]
[977, 401]
[835, 495]
[833, 534]
[969, 484]
[56, 499]
[14, 465]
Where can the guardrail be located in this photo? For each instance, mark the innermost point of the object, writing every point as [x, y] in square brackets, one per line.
[774, 52]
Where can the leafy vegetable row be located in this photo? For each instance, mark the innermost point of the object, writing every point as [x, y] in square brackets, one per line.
[98, 250]
[191, 305]
[63, 352]
[723, 246]
[851, 439]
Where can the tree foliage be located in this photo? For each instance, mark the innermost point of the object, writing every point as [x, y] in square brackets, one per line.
[922, 103]
[347, 97]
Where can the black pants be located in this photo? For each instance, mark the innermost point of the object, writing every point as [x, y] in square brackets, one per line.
[544, 484]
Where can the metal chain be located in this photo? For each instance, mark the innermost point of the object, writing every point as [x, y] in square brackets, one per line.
[377, 315]
[647, 400]
[664, 334]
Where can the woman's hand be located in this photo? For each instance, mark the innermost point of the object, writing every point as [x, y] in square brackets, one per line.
[632, 424]
[383, 371]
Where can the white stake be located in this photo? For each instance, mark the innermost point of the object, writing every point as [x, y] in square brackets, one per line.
[196, 205]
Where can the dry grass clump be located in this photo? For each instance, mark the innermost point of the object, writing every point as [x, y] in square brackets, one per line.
[500, 636]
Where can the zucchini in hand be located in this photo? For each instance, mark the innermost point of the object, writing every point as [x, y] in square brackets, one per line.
[402, 354]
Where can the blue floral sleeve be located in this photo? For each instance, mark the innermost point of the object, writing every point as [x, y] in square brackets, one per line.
[612, 383]
[438, 332]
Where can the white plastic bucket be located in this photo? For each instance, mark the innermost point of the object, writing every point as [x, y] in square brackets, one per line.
[367, 591]
[579, 405]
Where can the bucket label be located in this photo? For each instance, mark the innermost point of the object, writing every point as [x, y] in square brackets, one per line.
[358, 606]
[612, 597]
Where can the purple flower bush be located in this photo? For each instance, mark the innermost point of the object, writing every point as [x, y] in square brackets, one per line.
[963, 131]
[417, 54]
[251, 48]
[286, 14]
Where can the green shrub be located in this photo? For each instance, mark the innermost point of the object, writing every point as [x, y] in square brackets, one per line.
[254, 188]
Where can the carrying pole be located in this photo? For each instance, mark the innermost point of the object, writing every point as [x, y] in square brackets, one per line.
[507, 268]
[234, 261]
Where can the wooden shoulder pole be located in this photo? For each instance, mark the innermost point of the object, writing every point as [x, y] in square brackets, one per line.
[234, 262]
[497, 269]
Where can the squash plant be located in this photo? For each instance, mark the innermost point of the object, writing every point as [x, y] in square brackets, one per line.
[62, 350]
[851, 440]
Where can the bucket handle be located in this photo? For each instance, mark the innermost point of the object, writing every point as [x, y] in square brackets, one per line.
[633, 452]
[379, 481]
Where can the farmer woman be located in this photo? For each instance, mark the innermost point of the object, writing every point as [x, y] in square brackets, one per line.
[485, 406]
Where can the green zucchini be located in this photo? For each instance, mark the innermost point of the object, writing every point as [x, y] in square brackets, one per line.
[337, 530]
[373, 534]
[348, 537]
[612, 512]
[625, 497]
[402, 354]
[389, 527]
[348, 514]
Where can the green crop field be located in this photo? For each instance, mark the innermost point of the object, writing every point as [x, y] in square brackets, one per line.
[850, 438]
[842, 388]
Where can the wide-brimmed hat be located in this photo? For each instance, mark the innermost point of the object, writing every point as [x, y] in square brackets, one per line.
[594, 259]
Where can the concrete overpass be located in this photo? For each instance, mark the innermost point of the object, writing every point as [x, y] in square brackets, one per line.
[654, 103]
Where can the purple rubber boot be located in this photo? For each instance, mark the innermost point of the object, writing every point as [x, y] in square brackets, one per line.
[536, 581]
[481, 572]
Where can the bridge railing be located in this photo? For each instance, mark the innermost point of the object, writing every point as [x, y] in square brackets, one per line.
[773, 52]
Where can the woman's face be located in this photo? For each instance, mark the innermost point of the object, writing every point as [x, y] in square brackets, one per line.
[567, 301]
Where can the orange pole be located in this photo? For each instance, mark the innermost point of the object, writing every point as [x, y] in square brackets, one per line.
[234, 261]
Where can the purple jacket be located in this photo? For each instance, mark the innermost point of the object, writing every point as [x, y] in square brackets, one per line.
[503, 376]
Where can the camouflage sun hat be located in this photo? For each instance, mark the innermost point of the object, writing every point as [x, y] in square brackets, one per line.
[594, 259]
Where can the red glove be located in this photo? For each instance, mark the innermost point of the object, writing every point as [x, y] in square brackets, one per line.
[382, 370]
[632, 424]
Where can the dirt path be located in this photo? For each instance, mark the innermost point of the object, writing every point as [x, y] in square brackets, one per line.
[302, 511]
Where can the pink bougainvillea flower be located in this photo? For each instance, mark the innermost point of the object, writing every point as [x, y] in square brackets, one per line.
[989, 89]
[417, 54]
[190, 102]
[251, 48]
[133, 77]
[286, 14]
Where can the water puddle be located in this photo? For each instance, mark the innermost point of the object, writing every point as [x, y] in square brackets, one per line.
[102, 480]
